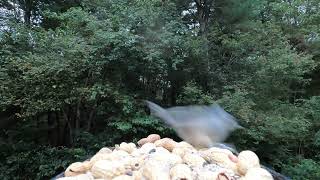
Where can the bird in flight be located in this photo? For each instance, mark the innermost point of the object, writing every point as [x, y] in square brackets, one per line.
[200, 125]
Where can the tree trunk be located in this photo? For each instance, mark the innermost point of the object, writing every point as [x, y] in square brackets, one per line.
[68, 129]
[90, 119]
[38, 127]
[27, 7]
[59, 133]
[203, 10]
[50, 124]
[173, 94]
[78, 116]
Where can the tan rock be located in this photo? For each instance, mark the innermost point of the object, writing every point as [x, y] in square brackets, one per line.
[168, 159]
[180, 171]
[87, 176]
[152, 170]
[75, 169]
[219, 156]
[107, 169]
[128, 147]
[105, 150]
[246, 160]
[123, 177]
[153, 138]
[207, 175]
[257, 173]
[193, 159]
[146, 148]
[150, 139]
[137, 175]
[143, 141]
[184, 144]
[166, 143]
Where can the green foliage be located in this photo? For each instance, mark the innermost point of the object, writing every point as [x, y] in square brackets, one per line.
[73, 76]
[140, 126]
[192, 94]
[39, 163]
[305, 169]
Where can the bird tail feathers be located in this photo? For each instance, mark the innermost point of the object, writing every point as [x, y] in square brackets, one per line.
[159, 112]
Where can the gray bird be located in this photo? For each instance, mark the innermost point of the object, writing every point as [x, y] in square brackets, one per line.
[202, 126]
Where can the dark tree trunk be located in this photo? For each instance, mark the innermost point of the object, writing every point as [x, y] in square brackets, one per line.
[68, 129]
[27, 6]
[78, 116]
[173, 94]
[203, 10]
[37, 140]
[59, 132]
[27, 17]
[50, 124]
[90, 119]
[53, 131]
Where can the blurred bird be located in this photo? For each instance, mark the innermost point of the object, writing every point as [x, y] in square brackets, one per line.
[202, 126]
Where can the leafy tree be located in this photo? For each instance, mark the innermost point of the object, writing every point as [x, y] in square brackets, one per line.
[74, 74]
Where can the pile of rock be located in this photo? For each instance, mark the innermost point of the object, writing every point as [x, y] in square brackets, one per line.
[164, 159]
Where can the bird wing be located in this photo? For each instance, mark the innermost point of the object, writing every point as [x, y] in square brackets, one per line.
[206, 124]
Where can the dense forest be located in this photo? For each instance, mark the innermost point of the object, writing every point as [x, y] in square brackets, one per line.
[74, 74]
